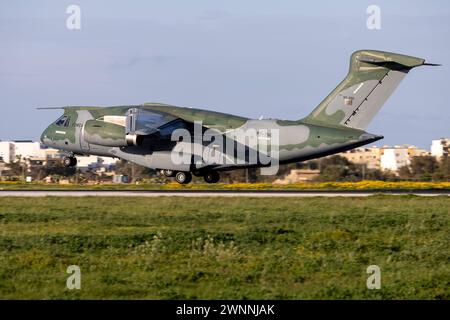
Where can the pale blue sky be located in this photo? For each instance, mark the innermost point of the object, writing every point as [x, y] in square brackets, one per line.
[273, 58]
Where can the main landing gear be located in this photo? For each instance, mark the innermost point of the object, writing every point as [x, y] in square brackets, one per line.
[69, 161]
[211, 177]
[183, 177]
[168, 173]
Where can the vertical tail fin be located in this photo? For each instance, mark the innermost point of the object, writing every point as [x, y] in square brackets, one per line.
[372, 78]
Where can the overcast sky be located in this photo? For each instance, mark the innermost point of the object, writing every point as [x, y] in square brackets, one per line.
[273, 58]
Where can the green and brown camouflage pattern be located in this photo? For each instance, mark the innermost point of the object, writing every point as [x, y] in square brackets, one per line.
[338, 123]
[369, 71]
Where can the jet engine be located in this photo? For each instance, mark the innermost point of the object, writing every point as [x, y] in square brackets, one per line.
[109, 134]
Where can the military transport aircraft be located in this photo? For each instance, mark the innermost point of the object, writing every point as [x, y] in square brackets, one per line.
[149, 134]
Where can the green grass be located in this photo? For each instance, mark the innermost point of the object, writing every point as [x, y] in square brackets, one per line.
[225, 248]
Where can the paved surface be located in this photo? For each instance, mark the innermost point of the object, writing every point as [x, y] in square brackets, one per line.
[217, 193]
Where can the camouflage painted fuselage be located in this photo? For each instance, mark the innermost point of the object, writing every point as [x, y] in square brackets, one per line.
[298, 141]
[336, 125]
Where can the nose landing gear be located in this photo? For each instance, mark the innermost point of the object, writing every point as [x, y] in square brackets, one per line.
[69, 161]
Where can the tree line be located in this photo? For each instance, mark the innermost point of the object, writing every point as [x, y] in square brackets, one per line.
[333, 168]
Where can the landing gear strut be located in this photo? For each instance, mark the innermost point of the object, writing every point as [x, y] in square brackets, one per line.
[69, 161]
[183, 177]
[211, 177]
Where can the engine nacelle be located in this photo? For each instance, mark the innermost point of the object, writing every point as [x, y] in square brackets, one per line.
[133, 139]
[109, 134]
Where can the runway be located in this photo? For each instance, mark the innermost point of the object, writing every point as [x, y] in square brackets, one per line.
[216, 193]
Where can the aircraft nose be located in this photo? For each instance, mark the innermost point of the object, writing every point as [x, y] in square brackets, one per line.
[42, 136]
[45, 139]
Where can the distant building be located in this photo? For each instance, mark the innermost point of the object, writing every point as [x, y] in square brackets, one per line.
[393, 158]
[36, 155]
[384, 158]
[298, 175]
[10, 151]
[440, 147]
[413, 151]
[368, 156]
[95, 163]
[26, 149]
[7, 154]
[33, 162]
[50, 153]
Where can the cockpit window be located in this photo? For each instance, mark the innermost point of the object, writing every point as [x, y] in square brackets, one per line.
[63, 121]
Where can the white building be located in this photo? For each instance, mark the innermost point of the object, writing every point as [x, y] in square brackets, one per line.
[439, 148]
[10, 150]
[27, 148]
[85, 163]
[7, 151]
[393, 158]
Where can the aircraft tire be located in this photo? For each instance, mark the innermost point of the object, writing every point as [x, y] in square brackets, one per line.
[69, 162]
[183, 177]
[211, 177]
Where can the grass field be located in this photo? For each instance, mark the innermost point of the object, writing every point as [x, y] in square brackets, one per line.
[225, 248]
